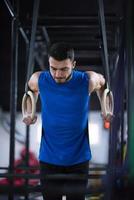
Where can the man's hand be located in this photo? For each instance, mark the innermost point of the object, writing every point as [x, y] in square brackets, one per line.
[28, 120]
[96, 81]
[107, 117]
[29, 108]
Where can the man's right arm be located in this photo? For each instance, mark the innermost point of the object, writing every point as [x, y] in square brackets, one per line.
[33, 86]
[33, 82]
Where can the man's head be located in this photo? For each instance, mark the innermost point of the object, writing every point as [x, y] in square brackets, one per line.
[61, 62]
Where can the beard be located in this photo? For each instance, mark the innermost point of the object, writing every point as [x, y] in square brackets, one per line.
[63, 79]
[60, 80]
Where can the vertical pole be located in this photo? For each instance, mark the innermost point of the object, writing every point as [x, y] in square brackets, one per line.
[27, 129]
[105, 62]
[13, 95]
[29, 62]
[130, 95]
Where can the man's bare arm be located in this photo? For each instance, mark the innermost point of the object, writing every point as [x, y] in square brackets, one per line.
[97, 84]
[33, 82]
[33, 86]
[96, 81]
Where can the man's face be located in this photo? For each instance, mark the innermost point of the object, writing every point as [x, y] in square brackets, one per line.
[61, 70]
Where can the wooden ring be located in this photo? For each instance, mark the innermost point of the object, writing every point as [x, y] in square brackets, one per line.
[107, 109]
[27, 95]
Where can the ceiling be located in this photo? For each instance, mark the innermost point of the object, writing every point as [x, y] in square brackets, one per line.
[75, 22]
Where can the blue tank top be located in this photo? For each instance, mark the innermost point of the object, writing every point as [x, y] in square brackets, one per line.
[65, 110]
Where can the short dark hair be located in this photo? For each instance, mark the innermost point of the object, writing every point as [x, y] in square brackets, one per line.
[61, 51]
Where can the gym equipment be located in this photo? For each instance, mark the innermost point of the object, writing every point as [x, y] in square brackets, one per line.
[32, 98]
[107, 104]
[107, 109]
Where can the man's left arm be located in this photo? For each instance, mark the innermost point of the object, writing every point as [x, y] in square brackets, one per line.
[97, 84]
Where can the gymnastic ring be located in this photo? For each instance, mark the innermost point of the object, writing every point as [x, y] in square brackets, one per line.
[107, 109]
[32, 97]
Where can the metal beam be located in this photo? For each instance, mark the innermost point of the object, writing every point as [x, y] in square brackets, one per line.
[130, 86]
[13, 96]
[13, 15]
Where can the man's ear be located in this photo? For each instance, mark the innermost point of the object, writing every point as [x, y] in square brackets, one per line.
[74, 64]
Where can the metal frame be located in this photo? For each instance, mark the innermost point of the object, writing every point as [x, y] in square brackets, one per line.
[29, 49]
[27, 189]
[14, 81]
[112, 168]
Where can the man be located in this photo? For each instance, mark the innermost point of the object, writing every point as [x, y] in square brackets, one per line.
[65, 96]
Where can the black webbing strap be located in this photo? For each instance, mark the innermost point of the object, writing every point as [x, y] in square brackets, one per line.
[30, 67]
[104, 41]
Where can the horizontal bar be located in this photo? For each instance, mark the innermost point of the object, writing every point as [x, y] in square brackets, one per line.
[1, 168]
[74, 26]
[53, 176]
[67, 190]
[102, 168]
[90, 17]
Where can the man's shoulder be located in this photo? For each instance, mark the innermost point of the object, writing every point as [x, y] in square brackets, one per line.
[43, 73]
[79, 73]
[36, 74]
[81, 76]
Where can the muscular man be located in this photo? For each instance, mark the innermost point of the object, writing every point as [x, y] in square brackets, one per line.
[65, 97]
